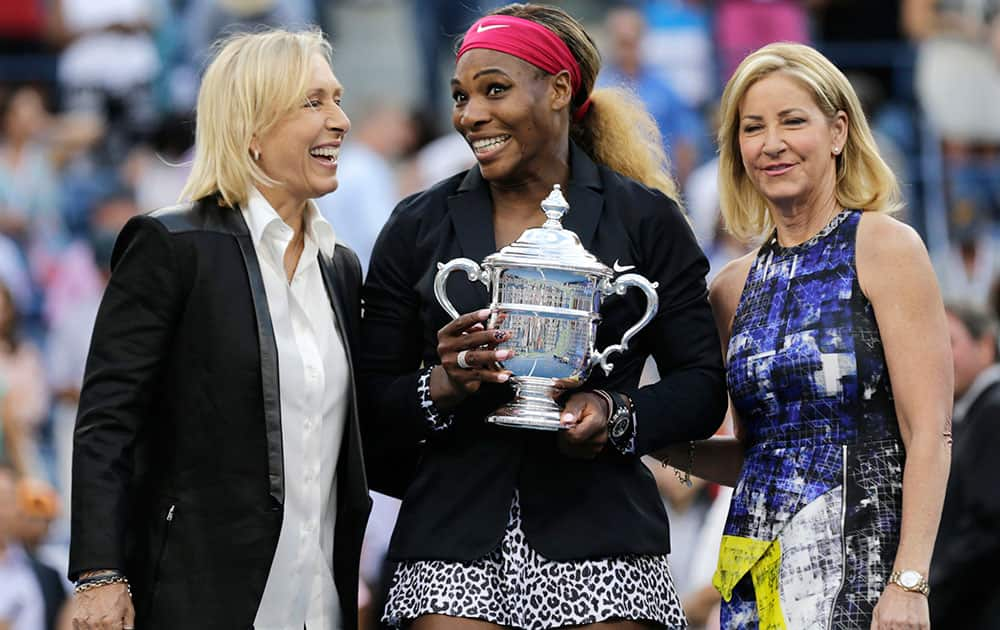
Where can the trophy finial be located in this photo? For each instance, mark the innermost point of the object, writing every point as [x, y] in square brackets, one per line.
[554, 206]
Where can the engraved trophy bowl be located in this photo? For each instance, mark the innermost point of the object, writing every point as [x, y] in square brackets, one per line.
[547, 289]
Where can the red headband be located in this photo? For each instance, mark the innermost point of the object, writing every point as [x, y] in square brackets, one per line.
[528, 41]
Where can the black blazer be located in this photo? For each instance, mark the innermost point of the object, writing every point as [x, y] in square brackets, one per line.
[963, 593]
[177, 460]
[457, 505]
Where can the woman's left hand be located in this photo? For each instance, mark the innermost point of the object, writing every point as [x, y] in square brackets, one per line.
[586, 416]
[901, 610]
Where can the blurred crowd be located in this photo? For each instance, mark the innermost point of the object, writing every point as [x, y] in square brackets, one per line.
[96, 118]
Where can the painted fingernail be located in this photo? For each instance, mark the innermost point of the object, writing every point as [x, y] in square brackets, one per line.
[504, 377]
[483, 313]
[503, 354]
[500, 335]
[567, 418]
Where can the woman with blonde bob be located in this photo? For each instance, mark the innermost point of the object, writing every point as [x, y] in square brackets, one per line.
[217, 472]
[838, 364]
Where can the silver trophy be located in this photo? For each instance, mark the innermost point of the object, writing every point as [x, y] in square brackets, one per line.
[547, 289]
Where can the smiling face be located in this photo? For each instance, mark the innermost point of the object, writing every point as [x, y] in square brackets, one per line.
[513, 115]
[788, 145]
[301, 150]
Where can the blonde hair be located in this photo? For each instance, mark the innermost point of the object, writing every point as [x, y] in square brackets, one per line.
[617, 131]
[254, 80]
[864, 180]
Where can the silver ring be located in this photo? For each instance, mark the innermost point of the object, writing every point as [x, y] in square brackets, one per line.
[462, 363]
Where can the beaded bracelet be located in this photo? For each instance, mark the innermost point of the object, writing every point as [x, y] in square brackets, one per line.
[686, 477]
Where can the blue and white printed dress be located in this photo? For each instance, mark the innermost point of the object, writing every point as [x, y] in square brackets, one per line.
[814, 521]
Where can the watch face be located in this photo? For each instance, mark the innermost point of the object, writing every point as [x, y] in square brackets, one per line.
[619, 424]
[909, 579]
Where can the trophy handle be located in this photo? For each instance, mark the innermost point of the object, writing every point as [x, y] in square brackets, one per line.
[620, 285]
[470, 267]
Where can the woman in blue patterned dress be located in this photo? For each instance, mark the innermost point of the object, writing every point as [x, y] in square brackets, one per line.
[837, 364]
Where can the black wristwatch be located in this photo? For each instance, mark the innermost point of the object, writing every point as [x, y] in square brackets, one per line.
[621, 418]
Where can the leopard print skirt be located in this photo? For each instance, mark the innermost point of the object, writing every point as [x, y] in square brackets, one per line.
[514, 586]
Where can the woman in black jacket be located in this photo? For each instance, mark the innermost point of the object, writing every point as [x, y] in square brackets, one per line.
[218, 480]
[510, 526]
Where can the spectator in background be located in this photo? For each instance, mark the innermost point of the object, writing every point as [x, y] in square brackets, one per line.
[958, 87]
[22, 600]
[438, 23]
[369, 189]
[680, 126]
[678, 45]
[702, 195]
[108, 66]
[29, 200]
[968, 542]
[157, 170]
[205, 21]
[12, 447]
[37, 506]
[22, 382]
[34, 146]
[23, 25]
[439, 159]
[743, 26]
[968, 266]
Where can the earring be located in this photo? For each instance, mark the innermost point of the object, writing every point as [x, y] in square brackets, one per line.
[256, 155]
[836, 150]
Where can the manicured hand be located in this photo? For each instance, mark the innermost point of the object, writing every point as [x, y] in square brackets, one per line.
[586, 420]
[469, 356]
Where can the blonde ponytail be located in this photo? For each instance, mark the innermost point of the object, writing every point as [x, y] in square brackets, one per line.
[619, 133]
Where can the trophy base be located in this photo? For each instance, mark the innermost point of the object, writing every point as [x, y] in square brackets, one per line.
[533, 408]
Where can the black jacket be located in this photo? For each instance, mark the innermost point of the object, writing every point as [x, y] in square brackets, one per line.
[457, 505]
[964, 593]
[177, 459]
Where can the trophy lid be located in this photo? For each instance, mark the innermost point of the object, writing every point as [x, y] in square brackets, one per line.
[551, 246]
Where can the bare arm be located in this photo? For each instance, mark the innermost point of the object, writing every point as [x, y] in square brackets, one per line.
[718, 459]
[896, 275]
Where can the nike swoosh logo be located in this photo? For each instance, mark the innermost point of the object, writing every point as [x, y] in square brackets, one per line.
[620, 268]
[481, 28]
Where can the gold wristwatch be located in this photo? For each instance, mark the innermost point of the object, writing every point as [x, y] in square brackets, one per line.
[910, 580]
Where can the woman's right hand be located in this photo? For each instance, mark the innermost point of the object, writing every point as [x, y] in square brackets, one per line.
[107, 607]
[467, 336]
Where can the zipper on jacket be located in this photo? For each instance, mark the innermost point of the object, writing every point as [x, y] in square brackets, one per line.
[159, 559]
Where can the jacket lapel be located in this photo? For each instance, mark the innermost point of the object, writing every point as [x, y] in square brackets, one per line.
[471, 212]
[232, 222]
[355, 493]
[584, 195]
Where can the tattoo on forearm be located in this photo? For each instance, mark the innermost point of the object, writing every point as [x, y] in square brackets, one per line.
[947, 430]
